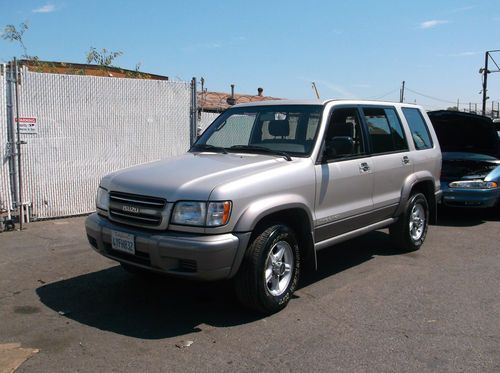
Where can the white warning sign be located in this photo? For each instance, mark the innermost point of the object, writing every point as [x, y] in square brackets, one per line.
[27, 125]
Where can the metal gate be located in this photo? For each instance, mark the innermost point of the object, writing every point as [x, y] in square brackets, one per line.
[78, 128]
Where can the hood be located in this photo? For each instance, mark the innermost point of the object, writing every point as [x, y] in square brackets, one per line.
[191, 176]
[465, 132]
[468, 166]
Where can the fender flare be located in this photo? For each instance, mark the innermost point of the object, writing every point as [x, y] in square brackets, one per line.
[263, 207]
[408, 185]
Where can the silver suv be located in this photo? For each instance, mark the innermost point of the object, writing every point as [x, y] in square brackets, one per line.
[265, 187]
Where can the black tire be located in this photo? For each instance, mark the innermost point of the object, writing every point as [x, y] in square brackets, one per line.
[416, 216]
[252, 288]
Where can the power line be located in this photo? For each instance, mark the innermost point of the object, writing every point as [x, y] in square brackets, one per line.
[431, 97]
[384, 95]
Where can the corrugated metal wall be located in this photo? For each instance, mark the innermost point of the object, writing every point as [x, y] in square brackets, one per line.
[5, 192]
[89, 126]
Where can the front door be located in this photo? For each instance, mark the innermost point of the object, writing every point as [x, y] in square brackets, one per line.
[344, 177]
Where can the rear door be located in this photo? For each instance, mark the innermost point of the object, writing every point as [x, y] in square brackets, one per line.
[392, 160]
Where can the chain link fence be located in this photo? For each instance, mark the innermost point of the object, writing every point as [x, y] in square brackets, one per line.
[82, 127]
[205, 119]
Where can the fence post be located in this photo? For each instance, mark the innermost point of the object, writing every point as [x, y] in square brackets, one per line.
[11, 138]
[193, 115]
[18, 144]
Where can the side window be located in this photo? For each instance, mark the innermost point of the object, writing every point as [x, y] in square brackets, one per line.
[418, 127]
[385, 130]
[344, 138]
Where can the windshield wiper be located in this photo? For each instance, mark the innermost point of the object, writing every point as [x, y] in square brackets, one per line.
[260, 149]
[211, 148]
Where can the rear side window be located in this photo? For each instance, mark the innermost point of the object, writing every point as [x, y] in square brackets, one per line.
[386, 132]
[418, 127]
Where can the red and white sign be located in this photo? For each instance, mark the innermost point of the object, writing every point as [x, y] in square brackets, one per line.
[27, 125]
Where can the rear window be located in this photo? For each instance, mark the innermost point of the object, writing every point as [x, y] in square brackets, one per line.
[418, 127]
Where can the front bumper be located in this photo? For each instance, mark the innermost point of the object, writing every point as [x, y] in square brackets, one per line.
[480, 198]
[203, 257]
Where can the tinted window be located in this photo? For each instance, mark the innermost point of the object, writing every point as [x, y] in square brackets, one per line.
[344, 137]
[386, 132]
[418, 127]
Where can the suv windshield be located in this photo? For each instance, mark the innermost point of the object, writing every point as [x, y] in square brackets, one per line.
[278, 129]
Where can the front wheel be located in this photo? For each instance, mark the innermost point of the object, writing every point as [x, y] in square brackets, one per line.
[270, 270]
[409, 232]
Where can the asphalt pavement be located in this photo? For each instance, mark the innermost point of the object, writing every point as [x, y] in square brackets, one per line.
[368, 308]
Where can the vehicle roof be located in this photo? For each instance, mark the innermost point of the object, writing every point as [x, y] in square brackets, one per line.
[323, 102]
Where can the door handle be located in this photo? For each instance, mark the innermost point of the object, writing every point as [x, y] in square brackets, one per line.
[406, 160]
[364, 167]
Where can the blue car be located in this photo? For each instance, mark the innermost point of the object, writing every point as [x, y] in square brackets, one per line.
[470, 175]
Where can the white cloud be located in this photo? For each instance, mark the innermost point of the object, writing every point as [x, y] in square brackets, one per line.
[47, 8]
[203, 46]
[465, 54]
[214, 44]
[432, 23]
[463, 9]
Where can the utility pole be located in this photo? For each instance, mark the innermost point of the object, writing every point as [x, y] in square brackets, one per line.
[484, 70]
[315, 90]
[485, 81]
[402, 92]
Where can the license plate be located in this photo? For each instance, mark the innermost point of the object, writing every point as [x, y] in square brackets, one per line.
[122, 241]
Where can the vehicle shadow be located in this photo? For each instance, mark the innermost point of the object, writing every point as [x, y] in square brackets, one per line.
[161, 307]
[466, 217]
[349, 254]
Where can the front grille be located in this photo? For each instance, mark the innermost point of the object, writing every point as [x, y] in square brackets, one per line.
[135, 209]
[462, 203]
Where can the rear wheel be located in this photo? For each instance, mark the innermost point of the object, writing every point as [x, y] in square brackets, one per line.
[409, 232]
[270, 270]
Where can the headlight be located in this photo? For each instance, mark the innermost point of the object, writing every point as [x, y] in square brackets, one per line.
[473, 184]
[212, 214]
[218, 213]
[190, 213]
[102, 199]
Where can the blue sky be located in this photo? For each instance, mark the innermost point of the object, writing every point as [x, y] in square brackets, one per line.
[351, 49]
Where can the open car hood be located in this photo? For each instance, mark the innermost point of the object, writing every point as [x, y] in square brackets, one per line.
[465, 132]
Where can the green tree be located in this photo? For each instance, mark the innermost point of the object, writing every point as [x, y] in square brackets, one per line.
[102, 57]
[15, 35]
